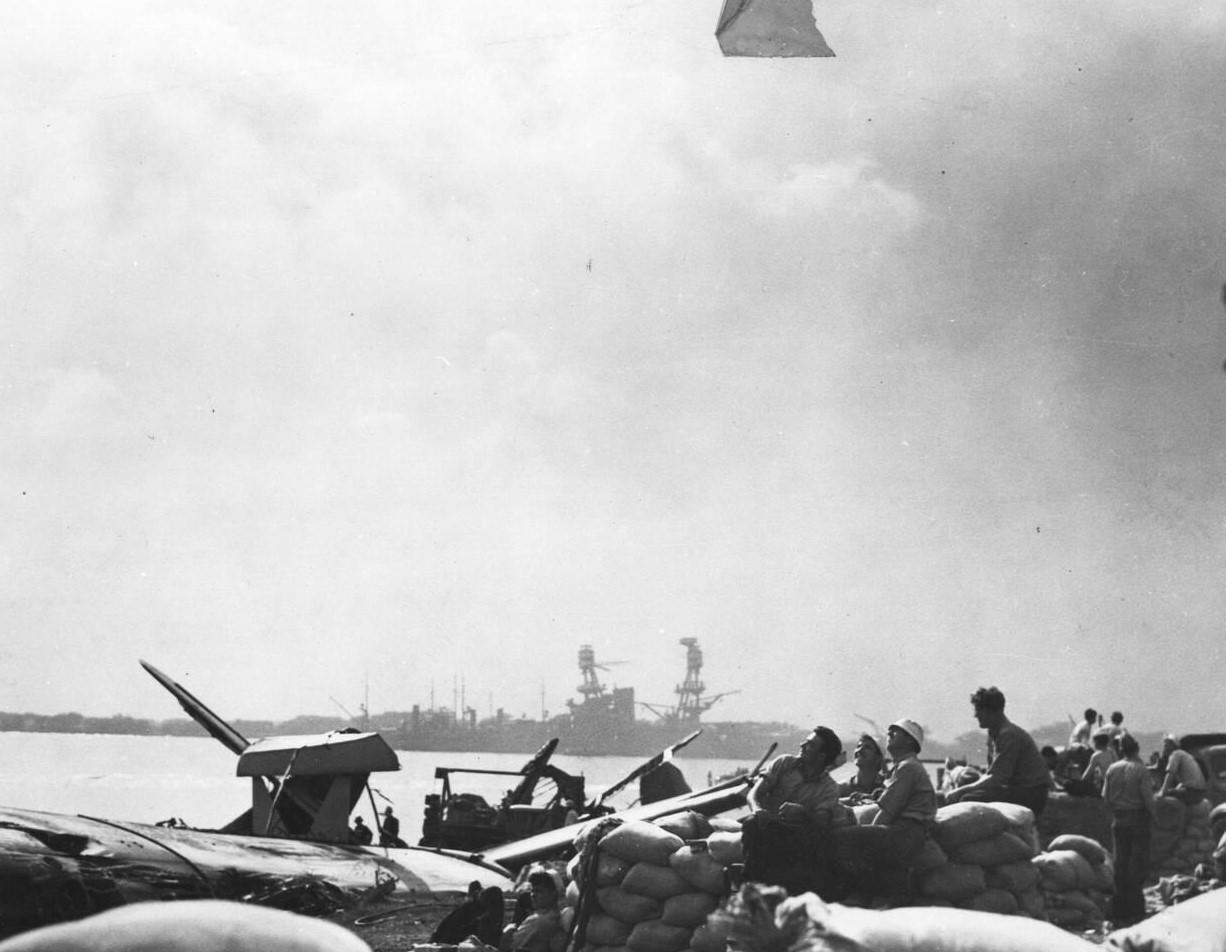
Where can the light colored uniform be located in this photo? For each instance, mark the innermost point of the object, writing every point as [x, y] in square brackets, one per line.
[785, 782]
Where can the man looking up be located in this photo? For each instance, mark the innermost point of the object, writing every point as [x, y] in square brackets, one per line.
[800, 788]
[1017, 773]
[787, 838]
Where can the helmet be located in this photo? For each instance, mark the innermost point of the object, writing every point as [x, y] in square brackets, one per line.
[911, 729]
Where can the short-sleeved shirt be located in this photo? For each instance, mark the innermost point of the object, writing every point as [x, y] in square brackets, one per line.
[1081, 734]
[1096, 769]
[1183, 768]
[540, 932]
[786, 783]
[908, 793]
[856, 785]
[1128, 786]
[1018, 762]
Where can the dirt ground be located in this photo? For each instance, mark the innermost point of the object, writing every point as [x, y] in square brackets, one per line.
[393, 928]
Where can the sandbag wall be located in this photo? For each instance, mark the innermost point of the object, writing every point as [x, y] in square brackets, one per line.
[649, 887]
[1076, 878]
[979, 858]
[1181, 838]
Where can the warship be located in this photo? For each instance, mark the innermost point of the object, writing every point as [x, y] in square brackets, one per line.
[602, 721]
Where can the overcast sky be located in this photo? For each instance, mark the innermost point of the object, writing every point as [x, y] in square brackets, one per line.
[417, 342]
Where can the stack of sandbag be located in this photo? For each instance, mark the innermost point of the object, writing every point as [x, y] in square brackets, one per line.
[763, 920]
[979, 858]
[1182, 837]
[1076, 879]
[648, 886]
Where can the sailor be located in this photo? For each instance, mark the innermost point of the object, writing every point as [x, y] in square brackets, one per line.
[1102, 758]
[389, 832]
[542, 930]
[1184, 780]
[869, 775]
[877, 857]
[1017, 772]
[361, 833]
[1083, 732]
[1117, 729]
[1129, 795]
[794, 804]
[461, 922]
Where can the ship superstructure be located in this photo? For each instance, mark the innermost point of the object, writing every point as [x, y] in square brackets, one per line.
[602, 721]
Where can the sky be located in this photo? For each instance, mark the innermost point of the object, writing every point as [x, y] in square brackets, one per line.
[405, 348]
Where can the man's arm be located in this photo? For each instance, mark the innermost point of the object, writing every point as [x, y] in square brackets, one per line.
[894, 797]
[1147, 796]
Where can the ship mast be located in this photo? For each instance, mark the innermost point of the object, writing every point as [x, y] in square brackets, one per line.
[691, 704]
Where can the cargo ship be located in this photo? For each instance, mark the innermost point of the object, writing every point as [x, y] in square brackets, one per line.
[601, 722]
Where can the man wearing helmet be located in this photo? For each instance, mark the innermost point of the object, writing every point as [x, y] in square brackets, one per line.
[875, 858]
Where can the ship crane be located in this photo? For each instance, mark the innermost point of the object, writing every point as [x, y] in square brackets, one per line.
[591, 686]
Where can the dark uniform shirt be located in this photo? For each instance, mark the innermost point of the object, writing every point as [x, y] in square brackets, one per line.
[1018, 762]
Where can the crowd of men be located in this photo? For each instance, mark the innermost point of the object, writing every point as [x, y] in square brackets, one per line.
[804, 833]
[804, 836]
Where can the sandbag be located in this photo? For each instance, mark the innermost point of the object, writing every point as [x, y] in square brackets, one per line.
[1092, 850]
[1078, 899]
[1000, 901]
[1015, 877]
[929, 857]
[962, 823]
[698, 867]
[711, 936]
[726, 847]
[1021, 821]
[627, 906]
[689, 909]
[603, 929]
[1104, 876]
[994, 851]
[610, 869]
[637, 841]
[1062, 870]
[1197, 925]
[658, 882]
[566, 918]
[1030, 902]
[1169, 813]
[953, 881]
[724, 824]
[1065, 916]
[920, 929]
[193, 925]
[1199, 811]
[688, 825]
[657, 936]
[571, 896]
[866, 813]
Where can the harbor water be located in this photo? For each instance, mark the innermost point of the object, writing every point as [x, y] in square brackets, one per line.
[147, 779]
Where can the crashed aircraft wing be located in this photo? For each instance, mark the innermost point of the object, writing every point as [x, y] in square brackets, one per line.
[770, 28]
